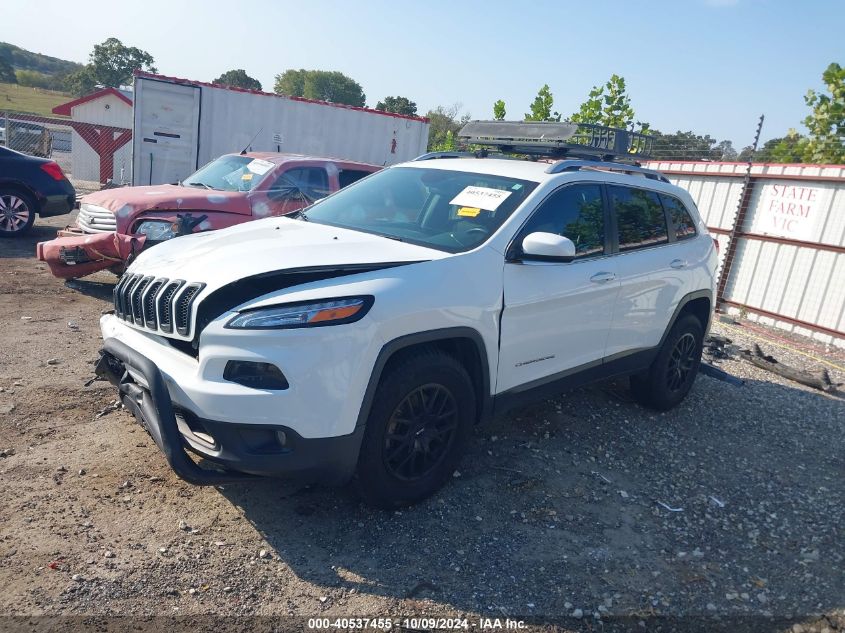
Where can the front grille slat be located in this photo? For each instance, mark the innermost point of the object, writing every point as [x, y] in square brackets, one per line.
[156, 303]
[129, 293]
[92, 220]
[137, 305]
[182, 308]
[165, 305]
[148, 304]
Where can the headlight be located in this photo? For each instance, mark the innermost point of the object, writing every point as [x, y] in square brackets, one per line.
[311, 314]
[156, 230]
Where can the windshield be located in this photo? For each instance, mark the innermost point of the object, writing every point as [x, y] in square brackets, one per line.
[452, 211]
[230, 173]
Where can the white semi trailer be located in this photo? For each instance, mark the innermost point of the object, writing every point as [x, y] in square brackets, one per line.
[180, 125]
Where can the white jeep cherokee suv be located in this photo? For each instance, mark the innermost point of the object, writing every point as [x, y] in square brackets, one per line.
[366, 336]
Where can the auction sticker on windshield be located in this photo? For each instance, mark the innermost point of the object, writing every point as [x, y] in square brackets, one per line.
[258, 166]
[480, 198]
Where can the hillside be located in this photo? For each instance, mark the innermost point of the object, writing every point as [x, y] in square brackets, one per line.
[22, 59]
[16, 98]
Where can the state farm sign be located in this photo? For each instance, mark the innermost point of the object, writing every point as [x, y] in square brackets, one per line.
[789, 210]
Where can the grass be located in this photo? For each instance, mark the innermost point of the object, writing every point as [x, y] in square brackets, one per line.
[17, 98]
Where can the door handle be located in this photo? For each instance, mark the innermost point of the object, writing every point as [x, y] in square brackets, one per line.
[600, 278]
[678, 263]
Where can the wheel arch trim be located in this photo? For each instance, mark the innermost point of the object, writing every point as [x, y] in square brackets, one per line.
[391, 348]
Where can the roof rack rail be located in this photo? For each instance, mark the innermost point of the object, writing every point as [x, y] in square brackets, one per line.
[480, 153]
[559, 139]
[577, 165]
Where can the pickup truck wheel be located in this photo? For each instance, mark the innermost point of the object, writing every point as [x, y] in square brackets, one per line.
[672, 373]
[417, 430]
[17, 213]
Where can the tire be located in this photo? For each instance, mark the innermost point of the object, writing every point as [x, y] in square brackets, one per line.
[17, 213]
[417, 430]
[672, 373]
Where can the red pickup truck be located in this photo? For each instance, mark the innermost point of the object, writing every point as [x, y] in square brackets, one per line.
[115, 224]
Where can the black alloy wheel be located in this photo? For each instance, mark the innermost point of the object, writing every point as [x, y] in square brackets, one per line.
[420, 432]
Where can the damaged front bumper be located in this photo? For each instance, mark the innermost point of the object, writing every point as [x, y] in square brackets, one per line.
[75, 254]
[243, 450]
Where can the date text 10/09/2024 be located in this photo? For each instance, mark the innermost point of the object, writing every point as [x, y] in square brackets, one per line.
[387, 624]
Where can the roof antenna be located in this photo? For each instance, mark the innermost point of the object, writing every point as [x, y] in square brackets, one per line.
[243, 151]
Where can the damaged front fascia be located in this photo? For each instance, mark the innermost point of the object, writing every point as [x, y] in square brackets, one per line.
[71, 255]
[238, 292]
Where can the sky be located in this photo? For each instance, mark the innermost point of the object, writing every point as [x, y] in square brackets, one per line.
[710, 66]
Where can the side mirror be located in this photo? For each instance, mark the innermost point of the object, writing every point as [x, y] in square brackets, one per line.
[548, 246]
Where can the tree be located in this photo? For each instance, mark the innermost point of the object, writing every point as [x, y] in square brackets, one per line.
[784, 149]
[7, 73]
[322, 85]
[81, 82]
[727, 151]
[541, 108]
[237, 79]
[40, 80]
[398, 105]
[826, 123]
[608, 105]
[112, 63]
[499, 110]
[690, 146]
[444, 125]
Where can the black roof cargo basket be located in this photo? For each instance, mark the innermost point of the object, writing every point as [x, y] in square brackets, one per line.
[559, 139]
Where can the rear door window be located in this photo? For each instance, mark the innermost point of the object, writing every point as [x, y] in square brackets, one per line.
[640, 220]
[576, 212]
[679, 217]
[309, 183]
[347, 176]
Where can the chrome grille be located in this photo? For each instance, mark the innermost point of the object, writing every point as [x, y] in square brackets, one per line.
[93, 219]
[156, 303]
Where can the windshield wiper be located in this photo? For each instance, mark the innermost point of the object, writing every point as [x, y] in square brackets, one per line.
[199, 184]
[300, 215]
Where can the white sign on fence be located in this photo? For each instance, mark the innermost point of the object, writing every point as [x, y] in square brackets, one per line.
[790, 210]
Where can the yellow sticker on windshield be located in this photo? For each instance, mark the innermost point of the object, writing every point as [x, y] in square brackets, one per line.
[246, 176]
[468, 212]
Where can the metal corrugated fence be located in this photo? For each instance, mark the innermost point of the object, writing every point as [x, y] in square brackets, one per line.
[788, 265]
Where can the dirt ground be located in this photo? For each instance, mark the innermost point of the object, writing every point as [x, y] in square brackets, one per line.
[579, 511]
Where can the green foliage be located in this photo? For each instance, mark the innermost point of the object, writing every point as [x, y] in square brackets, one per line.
[398, 105]
[112, 63]
[7, 73]
[237, 79]
[499, 110]
[541, 108]
[609, 105]
[690, 146]
[826, 123]
[785, 149]
[322, 85]
[444, 125]
[31, 78]
[81, 82]
[22, 59]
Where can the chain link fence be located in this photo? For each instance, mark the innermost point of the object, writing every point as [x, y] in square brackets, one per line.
[92, 156]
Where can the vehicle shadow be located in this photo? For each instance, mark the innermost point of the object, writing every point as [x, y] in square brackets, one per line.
[590, 500]
[24, 246]
[99, 285]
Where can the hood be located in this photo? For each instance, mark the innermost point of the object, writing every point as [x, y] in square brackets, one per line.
[221, 257]
[127, 202]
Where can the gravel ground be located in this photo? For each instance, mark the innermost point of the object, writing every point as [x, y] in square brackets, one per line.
[581, 512]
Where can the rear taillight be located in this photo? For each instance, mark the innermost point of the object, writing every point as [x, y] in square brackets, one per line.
[54, 170]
